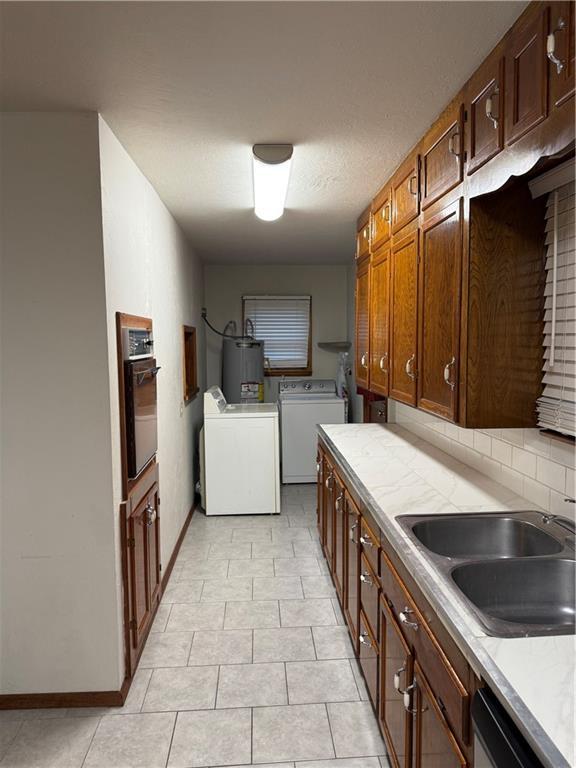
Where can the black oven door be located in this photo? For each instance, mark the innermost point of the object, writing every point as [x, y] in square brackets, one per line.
[141, 413]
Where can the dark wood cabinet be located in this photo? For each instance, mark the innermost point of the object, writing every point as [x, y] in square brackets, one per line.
[560, 47]
[433, 743]
[526, 75]
[381, 220]
[439, 311]
[338, 537]
[352, 552]
[443, 155]
[379, 314]
[363, 323]
[368, 657]
[406, 193]
[403, 323]
[485, 106]
[328, 509]
[396, 666]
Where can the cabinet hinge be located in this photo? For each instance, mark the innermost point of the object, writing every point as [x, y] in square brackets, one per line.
[131, 543]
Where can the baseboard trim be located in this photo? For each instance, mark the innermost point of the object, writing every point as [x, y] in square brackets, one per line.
[89, 698]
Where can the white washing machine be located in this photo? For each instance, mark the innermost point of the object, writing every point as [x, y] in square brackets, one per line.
[241, 473]
[305, 403]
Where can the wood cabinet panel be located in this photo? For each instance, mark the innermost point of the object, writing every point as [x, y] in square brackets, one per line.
[561, 47]
[403, 323]
[396, 665]
[406, 193]
[379, 323]
[338, 538]
[485, 106]
[439, 312]
[352, 591]
[363, 242]
[370, 545]
[434, 743]
[362, 323]
[381, 220]
[329, 495]
[368, 657]
[369, 594]
[443, 155]
[526, 75]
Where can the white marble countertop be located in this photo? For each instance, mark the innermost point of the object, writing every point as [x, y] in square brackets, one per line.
[396, 473]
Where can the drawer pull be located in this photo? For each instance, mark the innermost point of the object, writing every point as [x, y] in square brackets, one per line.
[367, 541]
[407, 696]
[409, 368]
[447, 369]
[365, 578]
[397, 680]
[151, 514]
[489, 108]
[403, 616]
[363, 638]
[338, 502]
[352, 529]
[382, 361]
[551, 46]
[411, 186]
[328, 481]
[451, 144]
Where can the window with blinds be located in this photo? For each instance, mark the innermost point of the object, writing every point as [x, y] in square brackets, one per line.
[283, 324]
[557, 406]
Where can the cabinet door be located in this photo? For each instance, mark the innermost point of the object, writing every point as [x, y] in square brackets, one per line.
[443, 155]
[439, 312]
[363, 242]
[362, 323]
[526, 76]
[155, 568]
[319, 492]
[380, 221]
[434, 743]
[403, 324]
[352, 592]
[379, 312]
[339, 536]
[144, 564]
[368, 657]
[328, 509]
[396, 665]
[486, 112]
[561, 51]
[335, 495]
[406, 193]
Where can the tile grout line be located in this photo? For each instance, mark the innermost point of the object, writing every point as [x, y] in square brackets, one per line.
[89, 745]
[330, 729]
[171, 739]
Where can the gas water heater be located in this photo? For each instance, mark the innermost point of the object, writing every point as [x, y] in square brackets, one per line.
[243, 370]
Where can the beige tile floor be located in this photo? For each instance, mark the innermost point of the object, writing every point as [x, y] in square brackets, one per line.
[248, 663]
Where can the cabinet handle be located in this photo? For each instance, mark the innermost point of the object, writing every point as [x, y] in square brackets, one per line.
[382, 361]
[365, 579]
[362, 637]
[403, 616]
[409, 367]
[411, 186]
[397, 679]
[151, 514]
[447, 378]
[551, 46]
[489, 108]
[386, 212]
[328, 481]
[407, 696]
[363, 360]
[338, 502]
[317, 466]
[367, 541]
[451, 148]
[365, 233]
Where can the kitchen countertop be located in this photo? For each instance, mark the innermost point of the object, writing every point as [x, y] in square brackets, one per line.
[397, 473]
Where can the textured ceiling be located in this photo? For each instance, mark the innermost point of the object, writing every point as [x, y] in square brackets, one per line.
[188, 87]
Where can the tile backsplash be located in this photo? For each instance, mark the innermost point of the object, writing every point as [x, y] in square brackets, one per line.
[537, 467]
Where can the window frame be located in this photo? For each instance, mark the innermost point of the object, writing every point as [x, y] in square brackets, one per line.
[274, 372]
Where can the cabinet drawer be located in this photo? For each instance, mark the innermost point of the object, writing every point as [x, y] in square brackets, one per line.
[368, 658]
[369, 594]
[451, 695]
[363, 242]
[370, 544]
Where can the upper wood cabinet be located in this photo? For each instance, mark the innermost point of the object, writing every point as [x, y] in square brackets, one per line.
[526, 75]
[363, 241]
[362, 323]
[485, 107]
[443, 155]
[379, 321]
[403, 327]
[439, 311]
[560, 49]
[381, 219]
[406, 193]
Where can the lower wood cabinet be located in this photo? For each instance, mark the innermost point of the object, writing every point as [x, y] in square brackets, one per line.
[352, 553]
[368, 657]
[338, 537]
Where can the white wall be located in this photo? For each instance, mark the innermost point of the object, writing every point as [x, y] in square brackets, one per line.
[152, 271]
[59, 620]
[327, 284]
[535, 466]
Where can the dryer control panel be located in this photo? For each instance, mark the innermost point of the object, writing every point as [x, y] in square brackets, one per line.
[307, 387]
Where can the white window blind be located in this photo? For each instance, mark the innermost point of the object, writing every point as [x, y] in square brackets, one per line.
[557, 405]
[283, 324]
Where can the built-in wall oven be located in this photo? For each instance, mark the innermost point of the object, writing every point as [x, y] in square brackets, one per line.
[140, 372]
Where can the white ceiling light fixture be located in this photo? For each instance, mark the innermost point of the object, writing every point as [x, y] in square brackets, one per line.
[271, 169]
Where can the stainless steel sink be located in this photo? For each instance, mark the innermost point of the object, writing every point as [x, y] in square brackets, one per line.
[484, 536]
[538, 593]
[516, 570]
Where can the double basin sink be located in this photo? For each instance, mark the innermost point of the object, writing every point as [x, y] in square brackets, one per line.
[516, 570]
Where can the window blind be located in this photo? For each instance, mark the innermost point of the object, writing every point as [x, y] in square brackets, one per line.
[557, 405]
[283, 324]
